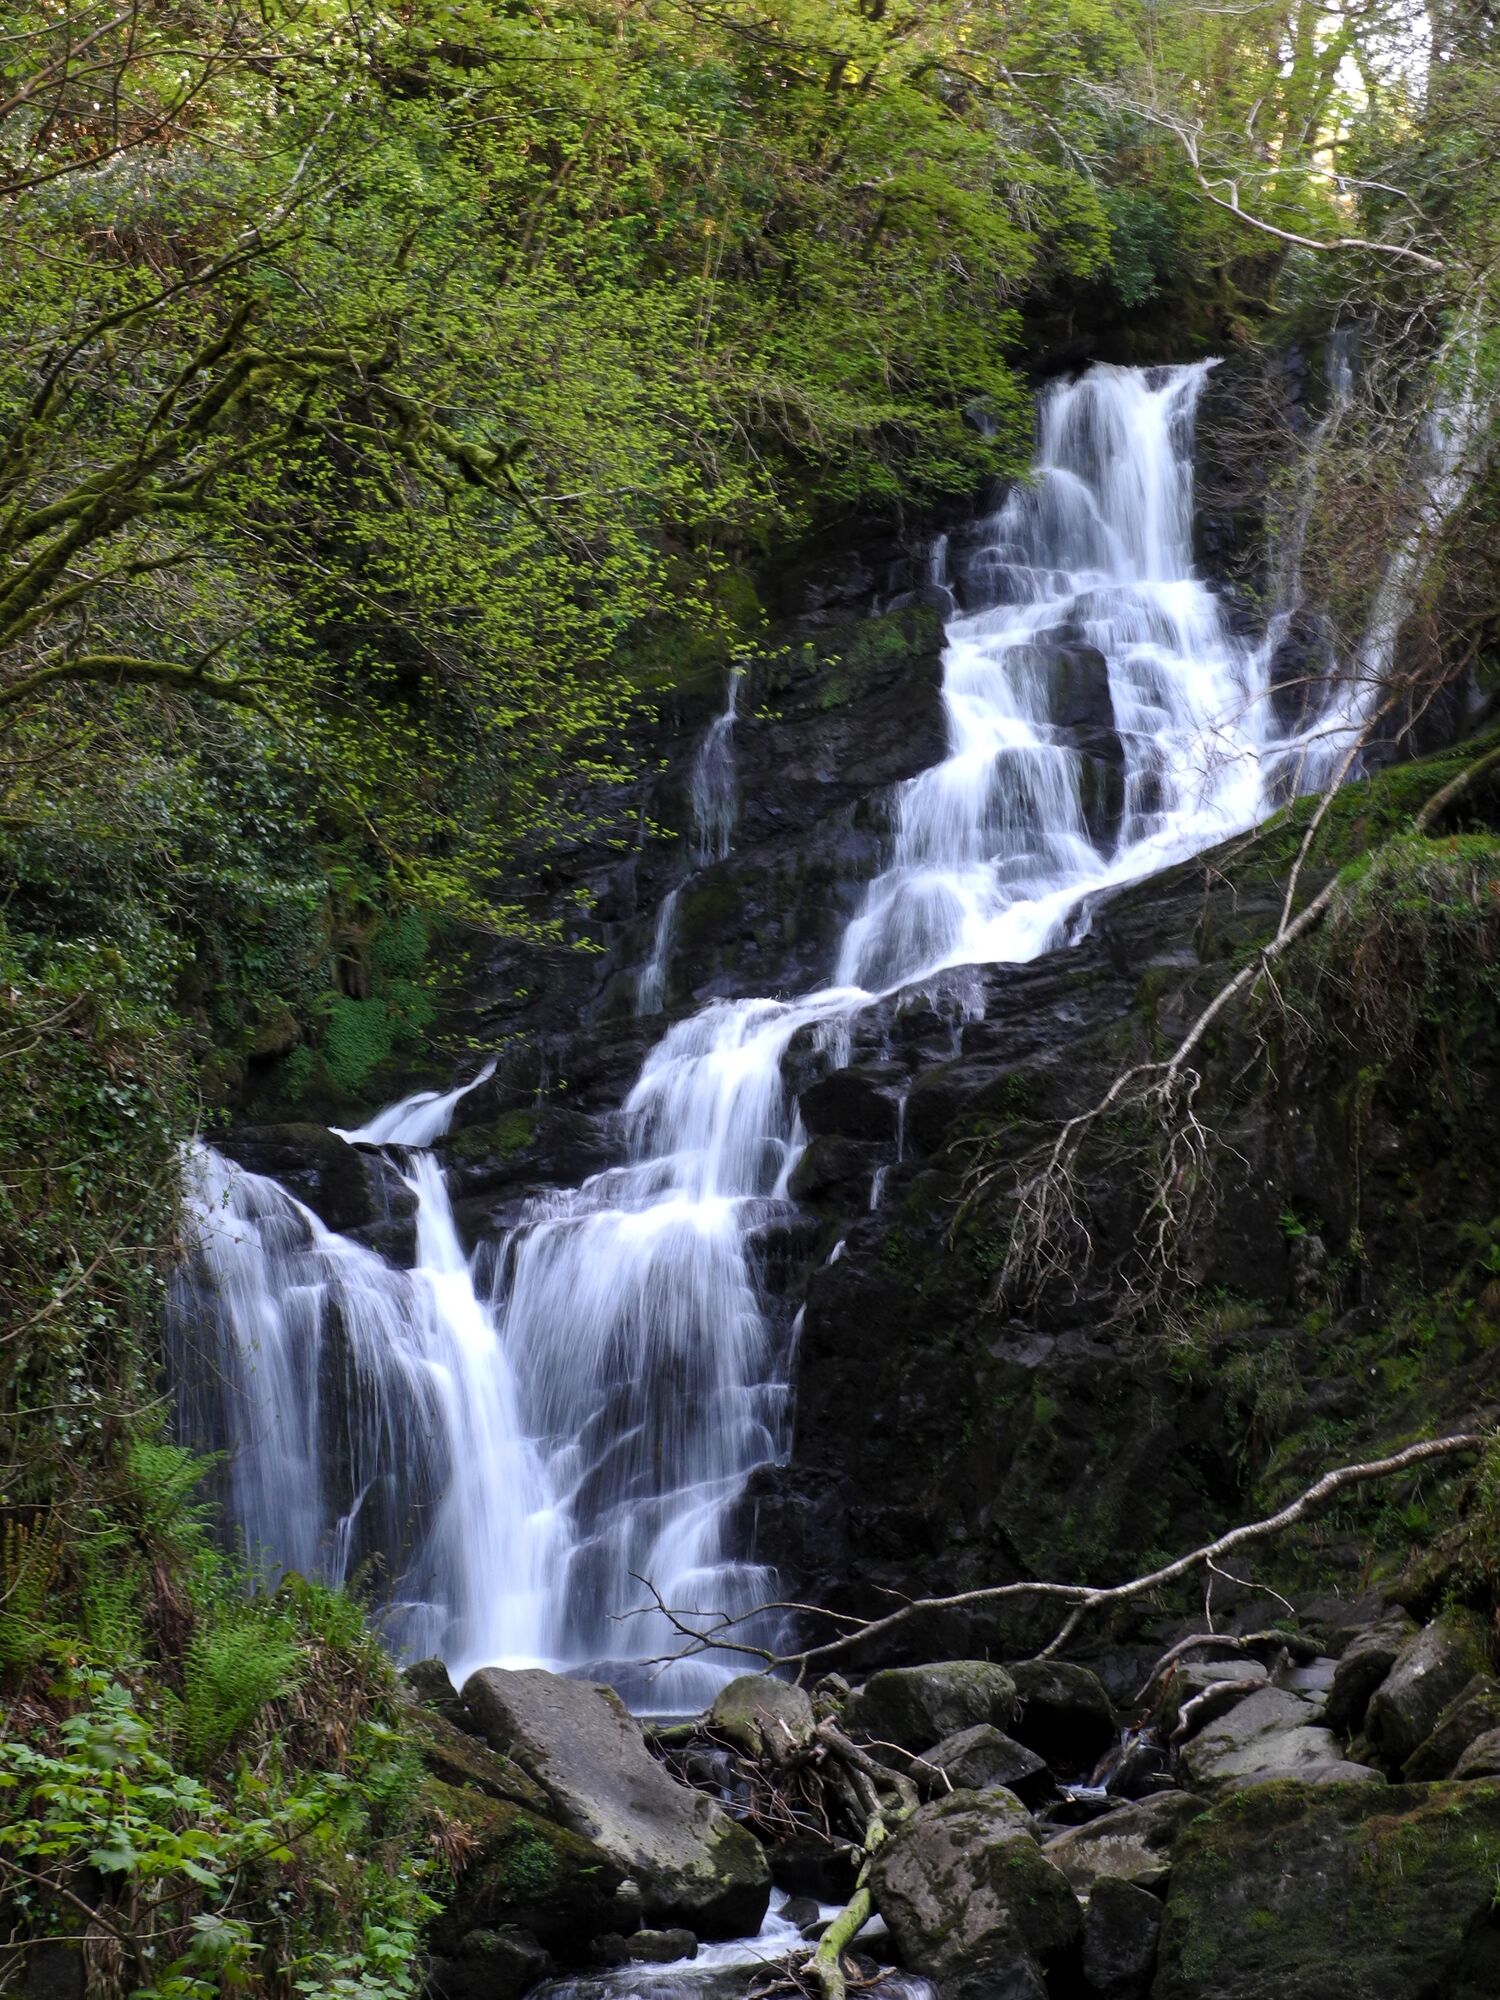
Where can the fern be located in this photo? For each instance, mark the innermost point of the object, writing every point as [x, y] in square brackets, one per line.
[230, 1673]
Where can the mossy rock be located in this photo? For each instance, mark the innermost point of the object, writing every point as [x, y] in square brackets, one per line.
[1336, 1892]
[514, 1866]
[460, 1760]
[916, 1707]
[969, 1897]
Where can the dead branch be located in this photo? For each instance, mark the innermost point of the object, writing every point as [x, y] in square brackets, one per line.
[1083, 1600]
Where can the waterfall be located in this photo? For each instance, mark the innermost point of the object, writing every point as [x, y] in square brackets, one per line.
[711, 786]
[580, 1408]
[1454, 441]
[713, 808]
[368, 1413]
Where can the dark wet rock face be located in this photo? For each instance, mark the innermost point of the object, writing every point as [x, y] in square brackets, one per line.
[351, 1189]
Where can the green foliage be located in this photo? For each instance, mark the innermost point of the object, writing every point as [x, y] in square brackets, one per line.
[95, 1801]
[1143, 243]
[232, 1670]
[357, 1038]
[527, 1863]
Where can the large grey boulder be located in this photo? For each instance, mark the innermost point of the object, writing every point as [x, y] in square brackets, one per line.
[1473, 1712]
[1363, 1665]
[1482, 1758]
[1273, 1733]
[1429, 1671]
[1121, 1927]
[915, 1707]
[1131, 1845]
[695, 1865]
[976, 1759]
[1225, 1682]
[971, 1902]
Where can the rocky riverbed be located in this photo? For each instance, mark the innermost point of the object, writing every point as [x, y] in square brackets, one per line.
[1311, 1813]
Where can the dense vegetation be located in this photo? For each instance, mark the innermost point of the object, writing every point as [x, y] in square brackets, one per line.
[392, 402]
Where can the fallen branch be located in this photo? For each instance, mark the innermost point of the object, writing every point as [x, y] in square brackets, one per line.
[1081, 1599]
[826, 1966]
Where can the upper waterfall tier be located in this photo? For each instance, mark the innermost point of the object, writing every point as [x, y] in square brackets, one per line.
[578, 1410]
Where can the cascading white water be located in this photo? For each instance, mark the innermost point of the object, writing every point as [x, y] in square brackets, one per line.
[367, 1413]
[582, 1410]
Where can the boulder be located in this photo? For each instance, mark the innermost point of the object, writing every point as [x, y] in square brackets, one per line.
[1481, 1759]
[1363, 1665]
[1131, 1845]
[913, 1707]
[763, 1717]
[695, 1865]
[1474, 1712]
[460, 1759]
[489, 1965]
[969, 1899]
[430, 1684]
[645, 1948]
[1190, 1679]
[1121, 1927]
[524, 1872]
[1272, 1733]
[1063, 1713]
[1336, 1892]
[974, 1760]
[1429, 1670]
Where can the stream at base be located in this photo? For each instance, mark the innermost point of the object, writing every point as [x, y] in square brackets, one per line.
[523, 1436]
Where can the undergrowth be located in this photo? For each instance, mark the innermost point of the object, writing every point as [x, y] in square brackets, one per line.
[203, 1789]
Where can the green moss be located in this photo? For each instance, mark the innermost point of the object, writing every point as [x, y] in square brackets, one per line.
[357, 1037]
[1278, 1883]
[526, 1862]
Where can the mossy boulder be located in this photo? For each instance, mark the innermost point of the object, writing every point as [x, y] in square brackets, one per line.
[1273, 1733]
[1062, 1712]
[489, 1965]
[1133, 1844]
[515, 1867]
[916, 1707]
[970, 1900]
[694, 1865]
[457, 1758]
[1336, 1892]
[763, 1717]
[973, 1760]
[1472, 1713]
[1430, 1670]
